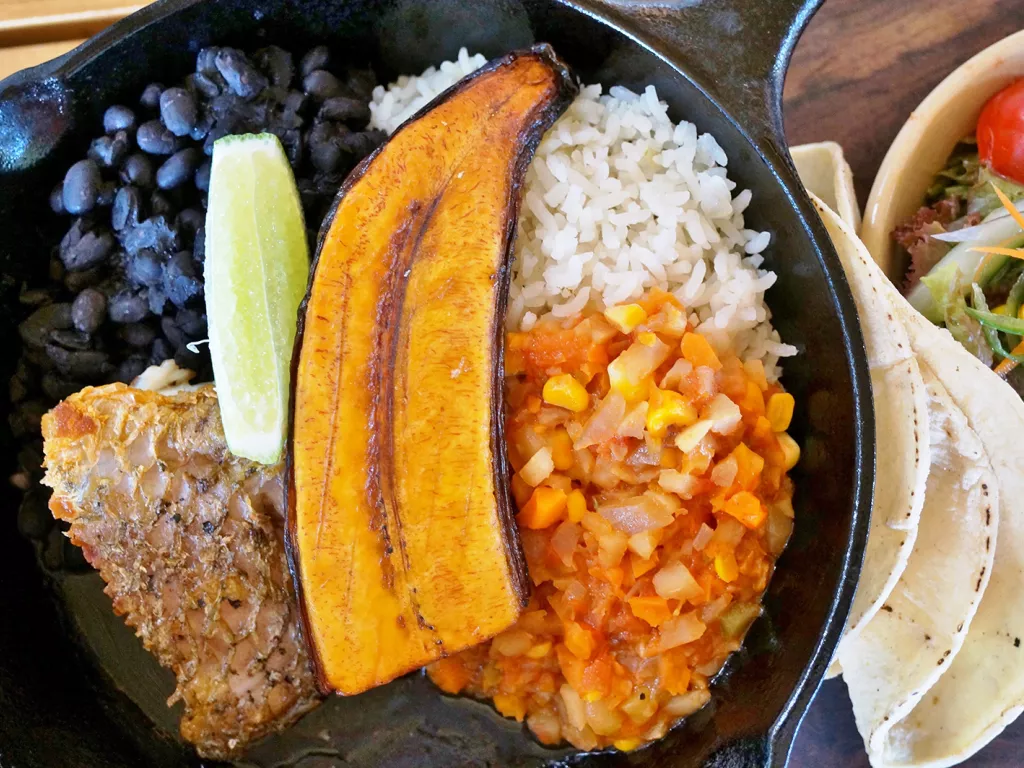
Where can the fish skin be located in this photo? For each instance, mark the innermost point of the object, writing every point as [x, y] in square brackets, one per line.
[190, 542]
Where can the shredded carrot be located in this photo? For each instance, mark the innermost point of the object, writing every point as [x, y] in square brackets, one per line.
[1009, 206]
[994, 250]
[1006, 366]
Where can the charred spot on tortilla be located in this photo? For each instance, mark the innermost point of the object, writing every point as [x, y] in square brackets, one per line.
[1016, 642]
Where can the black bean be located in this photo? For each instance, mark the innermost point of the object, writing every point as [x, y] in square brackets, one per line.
[90, 250]
[72, 339]
[145, 267]
[205, 85]
[127, 209]
[346, 110]
[160, 351]
[178, 110]
[35, 329]
[36, 297]
[239, 73]
[360, 144]
[57, 199]
[206, 61]
[79, 281]
[81, 186]
[190, 220]
[38, 358]
[118, 118]
[321, 85]
[181, 281]
[107, 152]
[154, 138]
[127, 307]
[360, 83]
[276, 63]
[130, 368]
[57, 270]
[172, 332]
[138, 170]
[151, 96]
[25, 420]
[56, 387]
[89, 310]
[202, 179]
[293, 146]
[157, 299]
[186, 358]
[34, 519]
[87, 365]
[137, 335]
[178, 169]
[325, 156]
[316, 58]
[199, 247]
[17, 388]
[192, 322]
[108, 190]
[161, 205]
[154, 232]
[203, 125]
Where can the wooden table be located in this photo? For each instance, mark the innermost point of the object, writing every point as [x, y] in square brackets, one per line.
[860, 69]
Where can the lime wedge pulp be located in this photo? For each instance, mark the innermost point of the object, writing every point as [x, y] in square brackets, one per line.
[257, 265]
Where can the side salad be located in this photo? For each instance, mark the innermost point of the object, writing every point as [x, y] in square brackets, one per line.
[966, 244]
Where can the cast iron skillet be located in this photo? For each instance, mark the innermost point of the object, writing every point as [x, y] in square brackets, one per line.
[719, 63]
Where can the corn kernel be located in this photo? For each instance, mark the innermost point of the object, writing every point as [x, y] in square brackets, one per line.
[510, 706]
[577, 505]
[564, 391]
[625, 317]
[725, 566]
[688, 439]
[1000, 310]
[592, 696]
[540, 650]
[780, 411]
[620, 381]
[648, 339]
[668, 408]
[626, 745]
[790, 450]
[561, 450]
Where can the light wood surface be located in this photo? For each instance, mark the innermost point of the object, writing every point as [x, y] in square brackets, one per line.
[26, 22]
[24, 56]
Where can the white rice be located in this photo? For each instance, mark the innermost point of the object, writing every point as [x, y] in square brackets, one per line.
[620, 199]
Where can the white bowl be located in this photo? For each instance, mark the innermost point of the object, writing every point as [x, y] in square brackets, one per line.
[926, 140]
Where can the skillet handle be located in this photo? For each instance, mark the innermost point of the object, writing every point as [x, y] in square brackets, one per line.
[737, 51]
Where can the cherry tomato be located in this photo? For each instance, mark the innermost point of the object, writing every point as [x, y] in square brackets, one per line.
[1001, 132]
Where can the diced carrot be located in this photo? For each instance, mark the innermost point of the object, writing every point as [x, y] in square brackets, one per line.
[698, 351]
[675, 674]
[752, 403]
[749, 467]
[579, 640]
[450, 675]
[510, 706]
[640, 566]
[533, 404]
[654, 610]
[746, 508]
[597, 353]
[544, 508]
[614, 575]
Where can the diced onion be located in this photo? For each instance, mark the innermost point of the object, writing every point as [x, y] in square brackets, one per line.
[703, 536]
[725, 472]
[676, 482]
[723, 413]
[635, 514]
[644, 544]
[603, 423]
[601, 718]
[780, 527]
[564, 541]
[728, 533]
[675, 582]
[633, 424]
[687, 703]
[677, 631]
[538, 468]
[514, 643]
[574, 709]
[679, 370]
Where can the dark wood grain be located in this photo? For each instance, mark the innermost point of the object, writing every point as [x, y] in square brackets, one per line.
[859, 70]
[863, 65]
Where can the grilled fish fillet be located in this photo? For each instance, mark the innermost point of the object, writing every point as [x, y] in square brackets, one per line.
[189, 540]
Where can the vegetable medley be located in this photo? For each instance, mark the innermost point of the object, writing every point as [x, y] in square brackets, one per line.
[651, 480]
[965, 245]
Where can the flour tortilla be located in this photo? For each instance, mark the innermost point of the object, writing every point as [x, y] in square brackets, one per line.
[826, 175]
[901, 426]
[904, 650]
[983, 690]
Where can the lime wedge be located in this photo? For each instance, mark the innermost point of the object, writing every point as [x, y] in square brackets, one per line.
[257, 265]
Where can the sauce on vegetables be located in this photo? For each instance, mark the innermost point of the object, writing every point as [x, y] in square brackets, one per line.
[651, 481]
